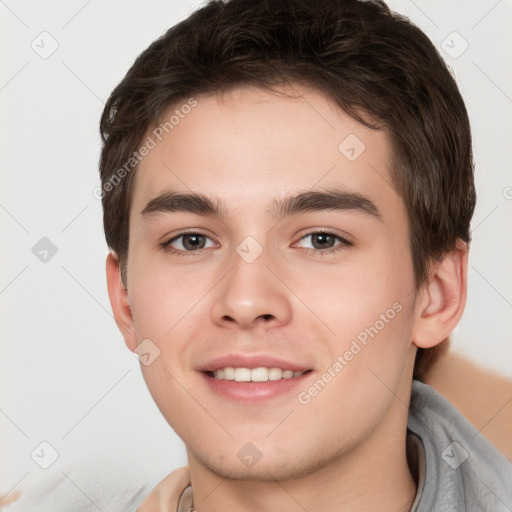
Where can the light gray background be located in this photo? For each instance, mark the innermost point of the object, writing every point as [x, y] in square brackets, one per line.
[66, 376]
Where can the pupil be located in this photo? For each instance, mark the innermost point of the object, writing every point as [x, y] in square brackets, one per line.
[321, 241]
[193, 242]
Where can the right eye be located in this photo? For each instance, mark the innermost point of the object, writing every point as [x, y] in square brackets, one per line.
[188, 242]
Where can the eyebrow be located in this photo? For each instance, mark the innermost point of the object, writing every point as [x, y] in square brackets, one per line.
[305, 202]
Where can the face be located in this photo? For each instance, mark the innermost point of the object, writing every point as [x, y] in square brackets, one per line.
[265, 236]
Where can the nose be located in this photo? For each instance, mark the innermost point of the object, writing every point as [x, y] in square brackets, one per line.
[251, 295]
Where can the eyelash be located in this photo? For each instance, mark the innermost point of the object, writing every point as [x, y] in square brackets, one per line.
[166, 246]
[344, 243]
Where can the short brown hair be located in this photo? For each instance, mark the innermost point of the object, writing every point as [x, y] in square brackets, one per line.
[376, 65]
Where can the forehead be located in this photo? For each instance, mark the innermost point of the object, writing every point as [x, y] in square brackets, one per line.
[251, 146]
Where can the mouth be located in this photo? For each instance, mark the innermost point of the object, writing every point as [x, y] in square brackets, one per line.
[253, 379]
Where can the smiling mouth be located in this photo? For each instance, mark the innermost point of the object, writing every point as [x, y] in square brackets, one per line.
[261, 374]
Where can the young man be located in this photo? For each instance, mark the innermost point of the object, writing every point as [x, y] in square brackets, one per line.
[288, 189]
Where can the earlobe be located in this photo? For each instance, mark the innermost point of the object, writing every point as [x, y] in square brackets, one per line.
[119, 301]
[441, 302]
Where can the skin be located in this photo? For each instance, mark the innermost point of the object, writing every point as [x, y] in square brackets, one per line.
[486, 404]
[345, 449]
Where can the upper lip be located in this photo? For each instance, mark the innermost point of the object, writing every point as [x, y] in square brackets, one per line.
[251, 361]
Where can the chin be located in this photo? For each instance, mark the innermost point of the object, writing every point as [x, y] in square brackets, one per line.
[266, 469]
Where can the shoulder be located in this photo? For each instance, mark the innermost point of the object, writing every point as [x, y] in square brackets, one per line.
[482, 396]
[463, 470]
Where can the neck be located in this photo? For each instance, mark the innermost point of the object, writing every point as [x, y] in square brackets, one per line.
[373, 476]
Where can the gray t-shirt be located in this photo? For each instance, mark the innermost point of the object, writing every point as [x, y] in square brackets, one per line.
[456, 468]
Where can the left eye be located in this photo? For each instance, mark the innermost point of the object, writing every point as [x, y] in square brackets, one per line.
[321, 240]
[190, 242]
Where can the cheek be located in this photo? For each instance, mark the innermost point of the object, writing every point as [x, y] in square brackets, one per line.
[351, 296]
[361, 373]
[367, 308]
[170, 392]
[163, 297]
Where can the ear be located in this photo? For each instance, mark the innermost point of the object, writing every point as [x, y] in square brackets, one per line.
[441, 302]
[119, 301]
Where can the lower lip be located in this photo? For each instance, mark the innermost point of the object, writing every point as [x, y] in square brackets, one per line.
[252, 392]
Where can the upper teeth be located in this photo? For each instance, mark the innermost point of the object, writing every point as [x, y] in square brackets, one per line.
[254, 374]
